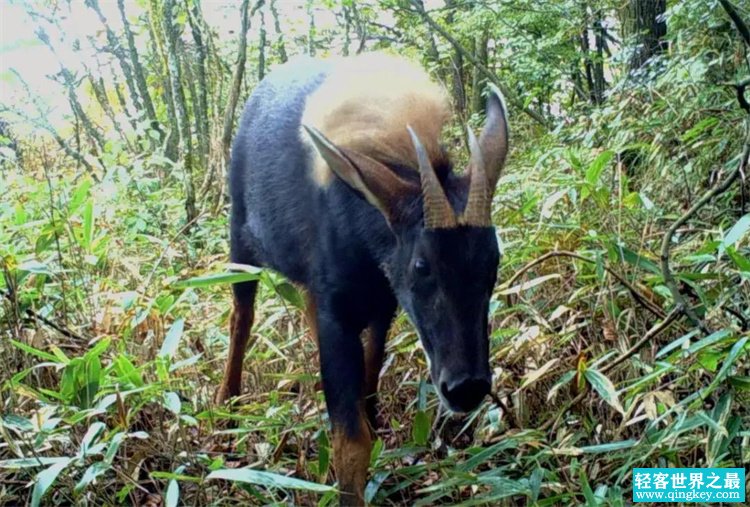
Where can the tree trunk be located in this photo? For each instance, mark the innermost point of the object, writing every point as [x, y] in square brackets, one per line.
[310, 28]
[187, 69]
[477, 79]
[643, 23]
[69, 83]
[459, 93]
[239, 71]
[138, 74]
[432, 49]
[100, 92]
[200, 102]
[178, 96]
[588, 65]
[347, 29]
[116, 49]
[457, 64]
[156, 36]
[262, 47]
[92, 133]
[280, 45]
[121, 99]
[600, 83]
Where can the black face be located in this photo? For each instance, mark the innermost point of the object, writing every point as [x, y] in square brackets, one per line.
[443, 278]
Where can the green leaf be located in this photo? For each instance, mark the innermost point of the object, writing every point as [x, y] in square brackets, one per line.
[324, 454]
[172, 339]
[564, 380]
[172, 402]
[267, 479]
[605, 388]
[35, 352]
[709, 340]
[612, 446]
[94, 430]
[679, 342]
[588, 494]
[89, 379]
[79, 195]
[114, 446]
[36, 267]
[290, 293]
[743, 263]
[594, 171]
[90, 474]
[485, 455]
[220, 278]
[420, 431]
[126, 370]
[736, 232]
[734, 353]
[173, 494]
[740, 382]
[98, 348]
[699, 127]
[374, 485]
[185, 362]
[88, 225]
[33, 462]
[80, 380]
[516, 289]
[635, 259]
[45, 479]
[377, 449]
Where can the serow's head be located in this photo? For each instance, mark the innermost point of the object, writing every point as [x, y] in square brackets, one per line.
[443, 265]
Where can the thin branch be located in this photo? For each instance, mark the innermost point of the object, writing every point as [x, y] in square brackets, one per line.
[716, 190]
[637, 295]
[54, 325]
[738, 22]
[652, 333]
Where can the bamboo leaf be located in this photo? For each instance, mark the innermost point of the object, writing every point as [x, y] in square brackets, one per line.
[172, 339]
[516, 289]
[594, 171]
[737, 232]
[45, 479]
[267, 479]
[605, 388]
[420, 431]
[220, 279]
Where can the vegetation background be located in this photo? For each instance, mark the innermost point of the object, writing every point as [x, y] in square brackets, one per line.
[620, 326]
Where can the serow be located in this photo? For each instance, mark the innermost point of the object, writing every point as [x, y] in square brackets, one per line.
[339, 181]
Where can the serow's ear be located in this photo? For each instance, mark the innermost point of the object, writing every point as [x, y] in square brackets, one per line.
[376, 182]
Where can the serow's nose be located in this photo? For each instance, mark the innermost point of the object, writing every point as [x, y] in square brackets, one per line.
[465, 393]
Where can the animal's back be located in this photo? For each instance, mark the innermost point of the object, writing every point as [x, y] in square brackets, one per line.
[272, 194]
[279, 182]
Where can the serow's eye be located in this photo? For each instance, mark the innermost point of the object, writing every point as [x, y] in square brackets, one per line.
[421, 267]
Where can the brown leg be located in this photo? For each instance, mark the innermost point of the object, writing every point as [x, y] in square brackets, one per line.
[240, 325]
[351, 459]
[311, 309]
[374, 347]
[374, 351]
